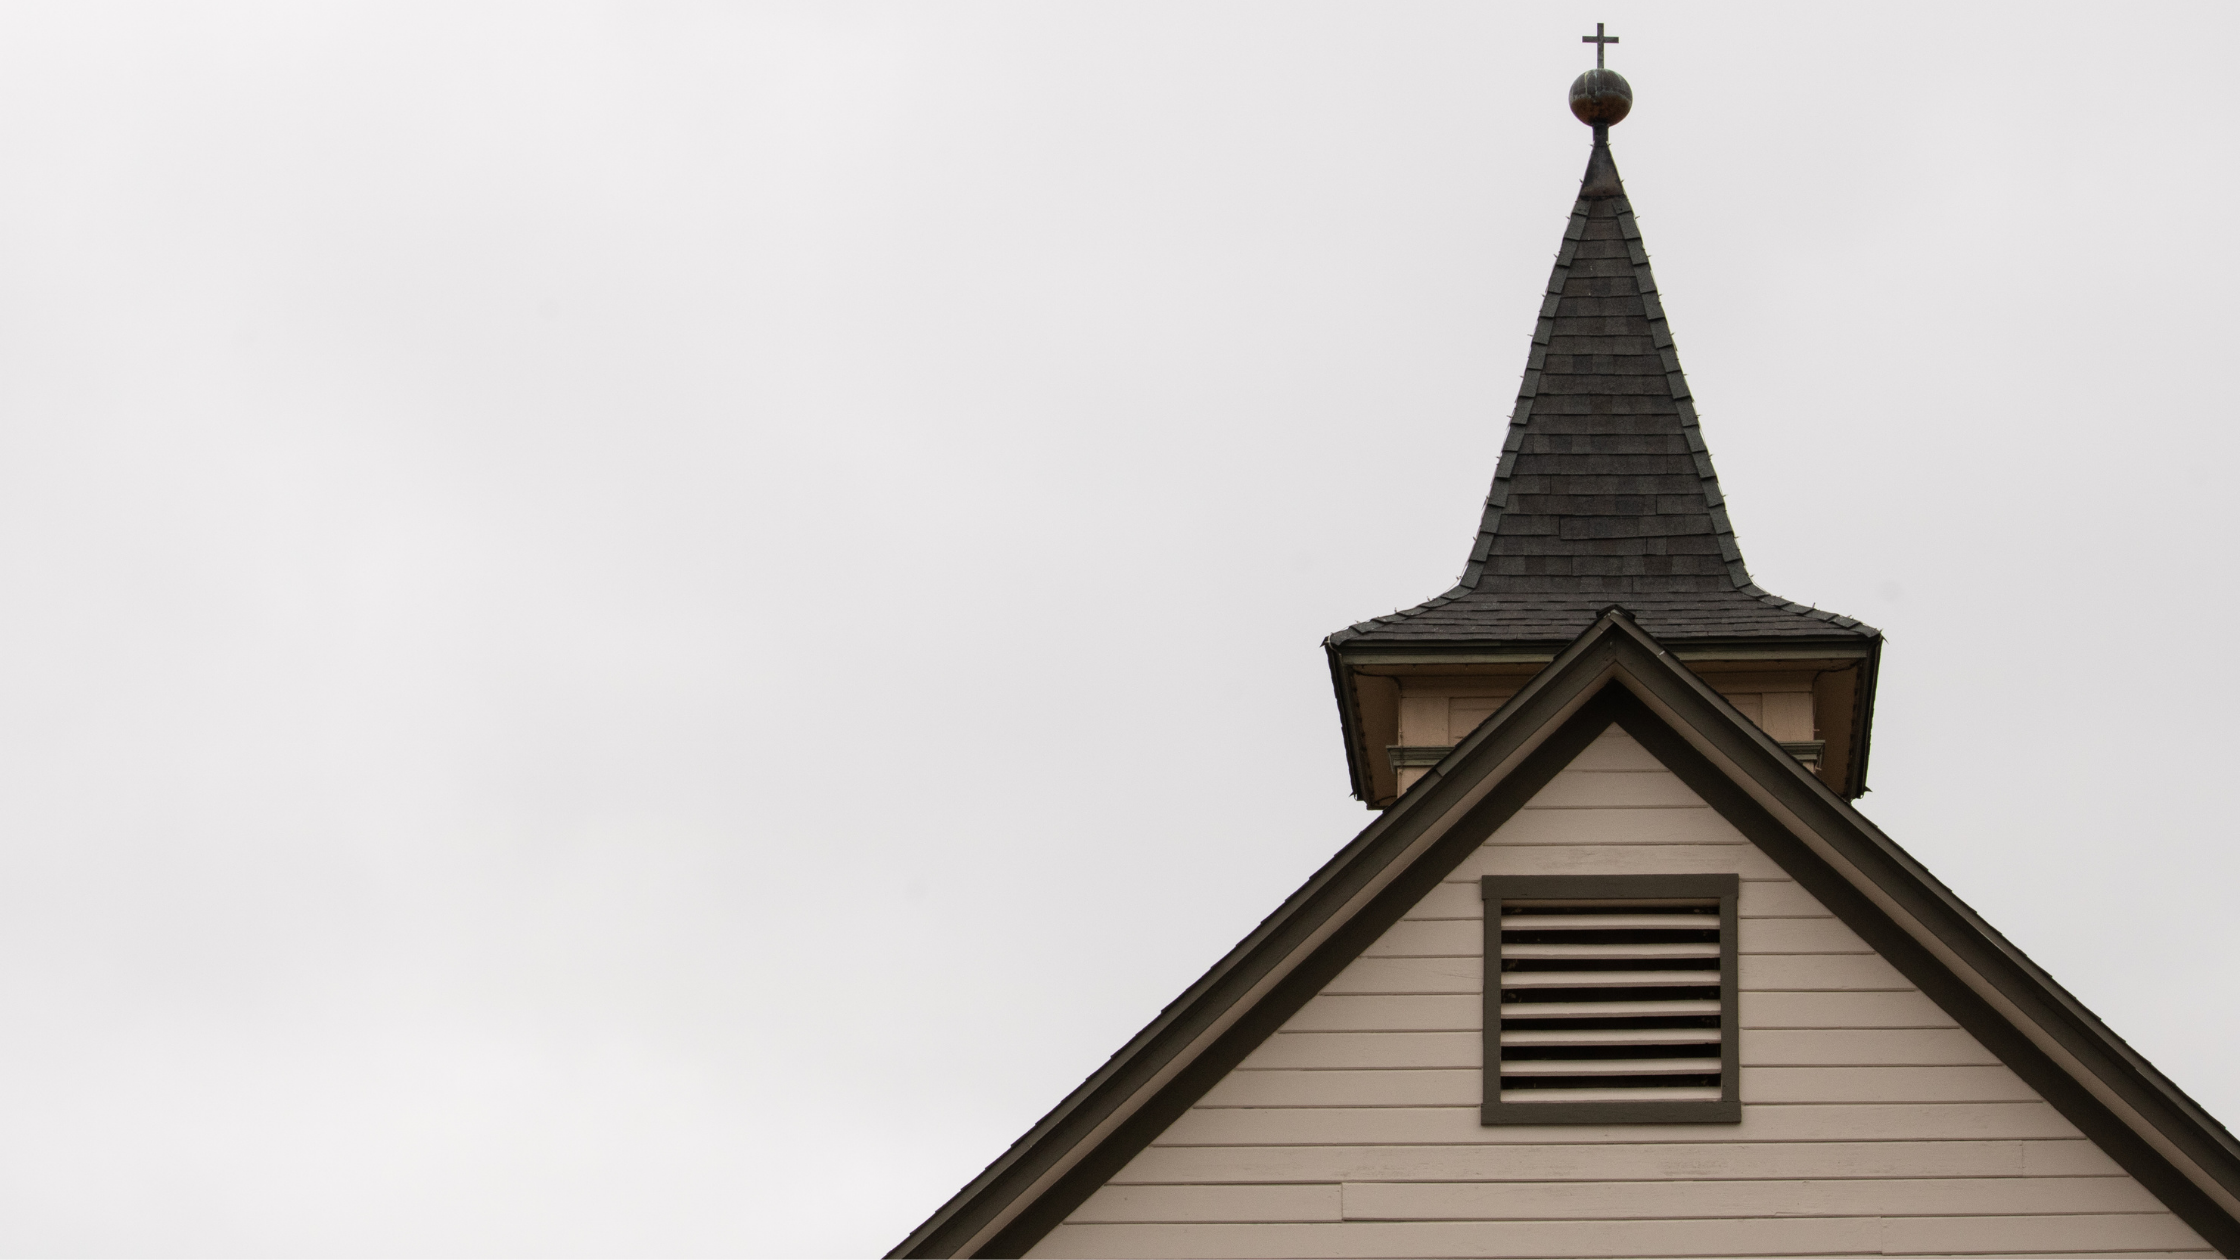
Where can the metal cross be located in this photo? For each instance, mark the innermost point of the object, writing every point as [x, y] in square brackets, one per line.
[1598, 39]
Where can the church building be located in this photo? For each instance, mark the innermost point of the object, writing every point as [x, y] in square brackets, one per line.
[1618, 970]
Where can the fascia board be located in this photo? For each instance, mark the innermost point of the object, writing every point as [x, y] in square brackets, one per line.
[1849, 647]
[1862, 720]
[1350, 726]
[1466, 654]
[1437, 811]
[1936, 919]
[1213, 1004]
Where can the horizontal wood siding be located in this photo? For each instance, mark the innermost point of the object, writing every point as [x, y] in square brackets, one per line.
[1871, 1122]
[1624, 1162]
[1756, 1236]
[1677, 1199]
[1447, 1087]
[1784, 1122]
[1775, 1047]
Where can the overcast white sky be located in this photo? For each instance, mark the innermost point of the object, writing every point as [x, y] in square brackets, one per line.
[646, 629]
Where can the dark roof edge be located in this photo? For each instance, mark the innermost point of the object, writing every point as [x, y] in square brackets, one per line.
[1957, 926]
[1448, 798]
[965, 1215]
[1862, 718]
[1848, 643]
[1350, 727]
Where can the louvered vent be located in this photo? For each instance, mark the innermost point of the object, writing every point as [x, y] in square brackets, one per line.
[1610, 1003]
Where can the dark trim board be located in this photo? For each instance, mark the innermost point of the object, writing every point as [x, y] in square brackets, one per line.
[1862, 718]
[1212, 998]
[1612, 673]
[1350, 728]
[2076, 1103]
[1308, 979]
[1498, 890]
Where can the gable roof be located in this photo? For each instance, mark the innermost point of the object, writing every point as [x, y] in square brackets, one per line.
[1605, 490]
[1614, 672]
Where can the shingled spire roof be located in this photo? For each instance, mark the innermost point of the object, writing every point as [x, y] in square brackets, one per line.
[1605, 492]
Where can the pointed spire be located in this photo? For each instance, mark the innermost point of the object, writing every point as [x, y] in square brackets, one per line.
[1605, 493]
[1601, 179]
[1604, 498]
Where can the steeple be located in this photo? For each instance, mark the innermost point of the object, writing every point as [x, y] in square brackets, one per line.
[1604, 495]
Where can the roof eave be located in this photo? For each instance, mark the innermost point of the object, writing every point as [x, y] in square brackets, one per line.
[2023, 987]
[1862, 720]
[2179, 1150]
[1363, 649]
[962, 1224]
[1349, 723]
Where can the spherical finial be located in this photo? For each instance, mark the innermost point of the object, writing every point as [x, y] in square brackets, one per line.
[1601, 97]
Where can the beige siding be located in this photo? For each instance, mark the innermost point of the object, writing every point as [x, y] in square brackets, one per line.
[2127, 1234]
[1871, 1122]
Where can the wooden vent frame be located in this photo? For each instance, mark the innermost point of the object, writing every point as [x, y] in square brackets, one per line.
[1621, 930]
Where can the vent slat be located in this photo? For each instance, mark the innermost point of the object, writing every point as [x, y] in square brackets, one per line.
[1609, 979]
[1610, 1036]
[1607, 1010]
[1609, 1067]
[1606, 967]
[1608, 922]
[1693, 949]
[1647, 1093]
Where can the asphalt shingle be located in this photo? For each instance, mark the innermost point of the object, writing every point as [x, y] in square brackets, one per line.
[1605, 492]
